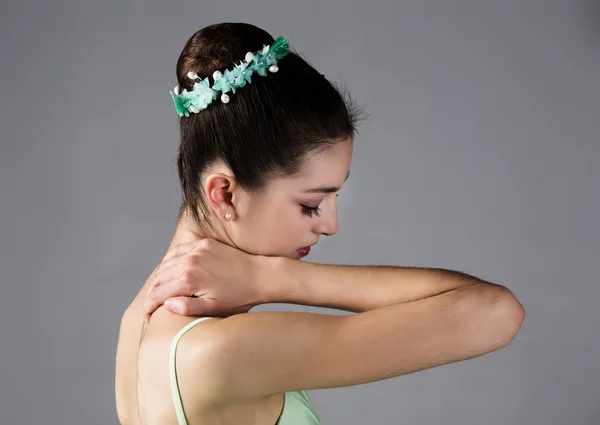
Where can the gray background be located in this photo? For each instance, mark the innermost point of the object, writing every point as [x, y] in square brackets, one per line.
[481, 155]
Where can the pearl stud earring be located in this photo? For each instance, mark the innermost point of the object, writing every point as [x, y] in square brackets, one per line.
[227, 216]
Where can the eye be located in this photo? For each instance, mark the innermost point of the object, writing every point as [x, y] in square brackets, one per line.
[309, 211]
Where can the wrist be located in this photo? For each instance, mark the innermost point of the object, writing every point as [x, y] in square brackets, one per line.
[272, 278]
[262, 280]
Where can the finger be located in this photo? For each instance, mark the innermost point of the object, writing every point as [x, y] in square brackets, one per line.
[180, 249]
[169, 262]
[161, 293]
[188, 306]
[165, 272]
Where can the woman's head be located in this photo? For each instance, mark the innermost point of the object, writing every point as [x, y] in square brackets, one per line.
[255, 157]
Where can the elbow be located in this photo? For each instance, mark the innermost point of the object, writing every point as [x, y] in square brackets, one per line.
[509, 314]
[516, 315]
[499, 312]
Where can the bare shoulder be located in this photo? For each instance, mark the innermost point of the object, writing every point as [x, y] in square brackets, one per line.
[194, 348]
[198, 381]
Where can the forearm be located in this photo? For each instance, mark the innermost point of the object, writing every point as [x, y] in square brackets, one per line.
[353, 288]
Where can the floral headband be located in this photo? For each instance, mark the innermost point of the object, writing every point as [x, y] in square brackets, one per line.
[203, 94]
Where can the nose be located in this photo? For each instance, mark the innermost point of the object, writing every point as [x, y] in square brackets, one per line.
[328, 223]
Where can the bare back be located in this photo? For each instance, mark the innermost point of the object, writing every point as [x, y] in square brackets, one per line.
[142, 390]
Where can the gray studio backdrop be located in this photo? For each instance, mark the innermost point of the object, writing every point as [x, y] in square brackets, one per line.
[481, 155]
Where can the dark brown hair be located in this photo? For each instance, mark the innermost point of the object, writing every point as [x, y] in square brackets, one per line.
[268, 128]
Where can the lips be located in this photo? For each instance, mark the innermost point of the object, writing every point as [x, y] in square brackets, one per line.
[304, 251]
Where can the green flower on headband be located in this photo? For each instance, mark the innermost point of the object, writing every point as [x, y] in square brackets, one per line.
[279, 48]
[231, 80]
[196, 100]
[269, 55]
[179, 105]
[241, 74]
[224, 83]
[261, 62]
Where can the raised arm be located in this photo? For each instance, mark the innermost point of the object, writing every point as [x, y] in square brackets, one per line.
[259, 353]
[353, 288]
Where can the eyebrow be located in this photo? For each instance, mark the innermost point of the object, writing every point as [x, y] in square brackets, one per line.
[326, 189]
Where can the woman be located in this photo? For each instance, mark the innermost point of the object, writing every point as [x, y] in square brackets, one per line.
[266, 142]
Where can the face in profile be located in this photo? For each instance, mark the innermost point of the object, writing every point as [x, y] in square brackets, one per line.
[292, 212]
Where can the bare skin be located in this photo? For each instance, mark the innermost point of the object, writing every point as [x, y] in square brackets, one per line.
[236, 369]
[156, 404]
[275, 224]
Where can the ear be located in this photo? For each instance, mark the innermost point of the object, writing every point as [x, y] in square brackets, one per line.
[219, 189]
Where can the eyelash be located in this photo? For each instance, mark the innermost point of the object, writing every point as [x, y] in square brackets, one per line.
[310, 211]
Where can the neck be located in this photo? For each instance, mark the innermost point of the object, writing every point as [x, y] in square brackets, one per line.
[186, 231]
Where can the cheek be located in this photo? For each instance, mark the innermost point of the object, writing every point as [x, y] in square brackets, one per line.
[288, 230]
[289, 222]
[277, 230]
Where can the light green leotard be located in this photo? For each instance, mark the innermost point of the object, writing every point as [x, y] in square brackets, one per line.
[297, 407]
